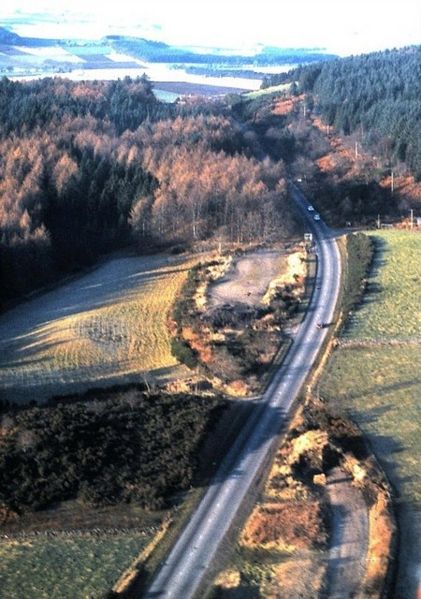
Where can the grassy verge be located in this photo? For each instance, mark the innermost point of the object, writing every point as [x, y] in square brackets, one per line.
[391, 308]
[374, 377]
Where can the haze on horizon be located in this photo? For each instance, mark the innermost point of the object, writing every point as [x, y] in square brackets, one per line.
[346, 27]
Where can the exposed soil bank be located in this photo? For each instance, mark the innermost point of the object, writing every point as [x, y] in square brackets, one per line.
[232, 316]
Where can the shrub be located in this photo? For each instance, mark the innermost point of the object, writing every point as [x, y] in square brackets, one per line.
[129, 446]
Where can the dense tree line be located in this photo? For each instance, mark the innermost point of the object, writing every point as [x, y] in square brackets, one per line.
[65, 196]
[89, 167]
[207, 188]
[125, 103]
[109, 447]
[376, 96]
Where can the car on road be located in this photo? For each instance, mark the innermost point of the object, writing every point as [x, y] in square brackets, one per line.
[316, 217]
[310, 208]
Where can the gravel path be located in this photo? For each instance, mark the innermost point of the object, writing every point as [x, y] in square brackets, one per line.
[349, 538]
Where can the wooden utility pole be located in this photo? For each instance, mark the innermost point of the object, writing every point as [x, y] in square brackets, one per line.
[412, 219]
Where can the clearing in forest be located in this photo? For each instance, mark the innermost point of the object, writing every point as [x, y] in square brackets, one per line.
[375, 377]
[106, 327]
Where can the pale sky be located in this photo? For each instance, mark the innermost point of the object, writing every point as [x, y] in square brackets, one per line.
[341, 26]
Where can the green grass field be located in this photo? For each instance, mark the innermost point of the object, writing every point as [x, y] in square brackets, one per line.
[393, 302]
[375, 376]
[59, 568]
[106, 327]
[274, 89]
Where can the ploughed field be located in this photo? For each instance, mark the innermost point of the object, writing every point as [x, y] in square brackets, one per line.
[106, 327]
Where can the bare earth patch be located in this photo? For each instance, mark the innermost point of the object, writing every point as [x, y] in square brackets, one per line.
[286, 105]
[284, 526]
[248, 279]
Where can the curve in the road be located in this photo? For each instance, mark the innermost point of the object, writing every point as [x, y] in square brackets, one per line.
[185, 567]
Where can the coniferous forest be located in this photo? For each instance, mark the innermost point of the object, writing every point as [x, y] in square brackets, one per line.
[375, 95]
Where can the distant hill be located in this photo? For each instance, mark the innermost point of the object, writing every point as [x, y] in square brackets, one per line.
[8, 37]
[161, 52]
[94, 54]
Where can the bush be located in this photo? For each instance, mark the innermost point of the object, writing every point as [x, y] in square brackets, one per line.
[184, 353]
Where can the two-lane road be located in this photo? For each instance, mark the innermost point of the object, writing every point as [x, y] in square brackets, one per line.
[182, 574]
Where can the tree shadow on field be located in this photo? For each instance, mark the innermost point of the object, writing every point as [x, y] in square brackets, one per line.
[373, 288]
[37, 327]
[114, 282]
[41, 390]
[383, 389]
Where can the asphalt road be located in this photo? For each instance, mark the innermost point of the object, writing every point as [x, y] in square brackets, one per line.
[182, 574]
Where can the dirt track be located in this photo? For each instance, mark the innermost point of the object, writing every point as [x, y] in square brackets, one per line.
[349, 537]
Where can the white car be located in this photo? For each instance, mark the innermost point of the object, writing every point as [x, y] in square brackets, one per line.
[316, 217]
[310, 208]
